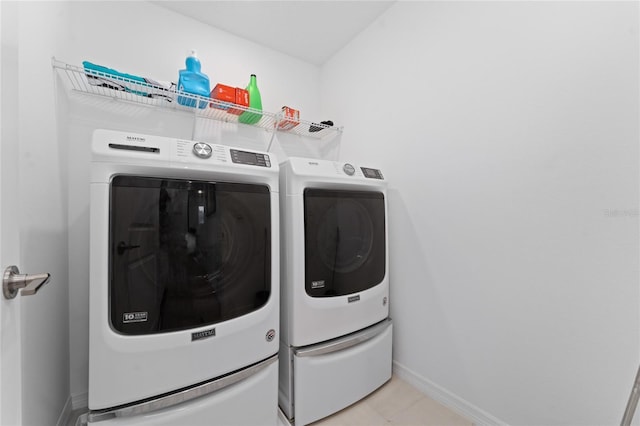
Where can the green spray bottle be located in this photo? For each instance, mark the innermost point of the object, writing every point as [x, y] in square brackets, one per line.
[255, 102]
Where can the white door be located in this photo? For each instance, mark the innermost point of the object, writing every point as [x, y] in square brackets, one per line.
[10, 342]
[34, 330]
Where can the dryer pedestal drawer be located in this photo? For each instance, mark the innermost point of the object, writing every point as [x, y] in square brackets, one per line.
[330, 377]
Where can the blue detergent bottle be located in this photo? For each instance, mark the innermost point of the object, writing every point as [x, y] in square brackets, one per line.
[193, 81]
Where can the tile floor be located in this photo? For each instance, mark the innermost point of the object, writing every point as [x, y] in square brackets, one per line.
[395, 403]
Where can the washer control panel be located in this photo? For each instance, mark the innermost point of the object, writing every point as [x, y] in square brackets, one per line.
[202, 150]
[181, 155]
[250, 158]
[190, 152]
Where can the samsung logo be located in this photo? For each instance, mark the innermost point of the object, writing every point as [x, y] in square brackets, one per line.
[203, 334]
[313, 163]
[353, 298]
[136, 139]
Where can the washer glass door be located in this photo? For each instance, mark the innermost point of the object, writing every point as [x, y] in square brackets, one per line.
[344, 241]
[184, 254]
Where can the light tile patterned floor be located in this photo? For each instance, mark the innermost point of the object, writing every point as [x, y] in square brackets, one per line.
[395, 403]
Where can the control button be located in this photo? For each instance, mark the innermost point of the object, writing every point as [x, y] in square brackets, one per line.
[202, 150]
[349, 169]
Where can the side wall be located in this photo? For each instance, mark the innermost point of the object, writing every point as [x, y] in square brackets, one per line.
[509, 133]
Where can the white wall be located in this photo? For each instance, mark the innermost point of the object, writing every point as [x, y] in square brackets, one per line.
[41, 180]
[148, 40]
[509, 134]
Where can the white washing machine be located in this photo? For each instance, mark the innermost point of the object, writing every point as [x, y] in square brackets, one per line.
[184, 283]
[336, 334]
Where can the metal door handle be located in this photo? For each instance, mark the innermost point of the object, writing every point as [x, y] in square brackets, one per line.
[29, 283]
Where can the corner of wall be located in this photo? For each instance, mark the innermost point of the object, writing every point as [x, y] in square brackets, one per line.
[65, 415]
[446, 398]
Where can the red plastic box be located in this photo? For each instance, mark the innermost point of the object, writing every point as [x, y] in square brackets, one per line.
[229, 96]
[291, 118]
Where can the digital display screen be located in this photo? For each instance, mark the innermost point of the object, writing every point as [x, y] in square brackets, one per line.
[371, 173]
[250, 158]
[245, 157]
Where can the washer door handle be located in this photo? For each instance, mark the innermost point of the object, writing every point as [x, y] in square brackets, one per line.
[13, 280]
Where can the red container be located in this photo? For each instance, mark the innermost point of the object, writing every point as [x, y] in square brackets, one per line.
[229, 96]
[291, 118]
[242, 99]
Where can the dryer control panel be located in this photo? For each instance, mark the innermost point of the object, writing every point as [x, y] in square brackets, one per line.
[349, 172]
[366, 172]
[371, 173]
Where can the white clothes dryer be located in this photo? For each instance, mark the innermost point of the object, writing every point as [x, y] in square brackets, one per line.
[184, 282]
[336, 335]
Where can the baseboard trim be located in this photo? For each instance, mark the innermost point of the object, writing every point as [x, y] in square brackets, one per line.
[79, 400]
[63, 418]
[443, 396]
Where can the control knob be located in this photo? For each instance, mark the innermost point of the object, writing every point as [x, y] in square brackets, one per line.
[202, 150]
[349, 169]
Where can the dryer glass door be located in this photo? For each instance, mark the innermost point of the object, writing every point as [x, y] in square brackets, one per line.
[345, 248]
[185, 254]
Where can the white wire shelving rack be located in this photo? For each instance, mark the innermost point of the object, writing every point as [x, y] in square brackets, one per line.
[165, 96]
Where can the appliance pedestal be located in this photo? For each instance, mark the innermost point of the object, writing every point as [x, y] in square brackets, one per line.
[327, 379]
[251, 401]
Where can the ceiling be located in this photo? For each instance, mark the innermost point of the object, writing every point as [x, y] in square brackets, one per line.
[309, 30]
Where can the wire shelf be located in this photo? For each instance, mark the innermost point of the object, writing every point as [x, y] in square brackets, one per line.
[164, 95]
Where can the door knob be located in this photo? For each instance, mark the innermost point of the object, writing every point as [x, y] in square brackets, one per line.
[13, 280]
